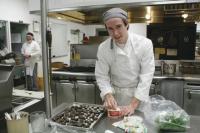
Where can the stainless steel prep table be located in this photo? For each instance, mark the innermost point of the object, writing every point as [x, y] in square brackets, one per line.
[193, 77]
[106, 124]
[73, 73]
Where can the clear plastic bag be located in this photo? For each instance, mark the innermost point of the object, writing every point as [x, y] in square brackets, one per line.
[166, 115]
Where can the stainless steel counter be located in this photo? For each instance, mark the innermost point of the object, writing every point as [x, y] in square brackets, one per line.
[90, 74]
[106, 124]
[193, 77]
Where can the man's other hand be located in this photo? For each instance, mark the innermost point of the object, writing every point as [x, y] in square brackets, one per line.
[27, 56]
[130, 109]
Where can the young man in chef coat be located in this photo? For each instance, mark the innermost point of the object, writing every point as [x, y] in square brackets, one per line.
[31, 52]
[125, 65]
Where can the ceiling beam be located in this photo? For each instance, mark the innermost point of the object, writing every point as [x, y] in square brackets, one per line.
[74, 14]
[65, 17]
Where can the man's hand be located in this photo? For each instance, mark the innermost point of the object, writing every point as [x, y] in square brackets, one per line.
[110, 102]
[130, 109]
[27, 56]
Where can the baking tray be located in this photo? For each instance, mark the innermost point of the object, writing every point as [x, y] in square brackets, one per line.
[60, 111]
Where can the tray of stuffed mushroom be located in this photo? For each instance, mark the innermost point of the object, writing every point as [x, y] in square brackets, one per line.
[78, 116]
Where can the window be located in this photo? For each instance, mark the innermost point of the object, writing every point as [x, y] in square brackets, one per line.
[101, 32]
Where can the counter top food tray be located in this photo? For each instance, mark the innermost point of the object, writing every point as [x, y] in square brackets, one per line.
[77, 116]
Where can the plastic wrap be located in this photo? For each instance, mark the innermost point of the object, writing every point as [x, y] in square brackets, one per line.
[166, 115]
[131, 124]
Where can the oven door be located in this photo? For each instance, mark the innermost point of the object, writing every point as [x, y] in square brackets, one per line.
[191, 101]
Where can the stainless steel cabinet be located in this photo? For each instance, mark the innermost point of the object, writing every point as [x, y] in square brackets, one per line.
[76, 91]
[65, 92]
[85, 92]
[154, 88]
[192, 98]
[98, 99]
[172, 90]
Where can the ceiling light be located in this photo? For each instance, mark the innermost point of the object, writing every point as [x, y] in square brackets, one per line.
[185, 15]
[148, 21]
[148, 16]
[148, 13]
[59, 17]
[148, 9]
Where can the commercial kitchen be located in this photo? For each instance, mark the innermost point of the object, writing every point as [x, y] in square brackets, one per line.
[69, 34]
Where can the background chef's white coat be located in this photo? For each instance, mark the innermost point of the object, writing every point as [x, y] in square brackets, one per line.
[34, 50]
[126, 73]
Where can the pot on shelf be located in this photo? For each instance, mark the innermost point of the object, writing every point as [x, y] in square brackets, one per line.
[169, 68]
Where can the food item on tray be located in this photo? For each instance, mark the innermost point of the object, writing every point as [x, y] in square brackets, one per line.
[79, 115]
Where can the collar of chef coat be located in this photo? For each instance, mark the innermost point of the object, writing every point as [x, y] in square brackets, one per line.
[126, 50]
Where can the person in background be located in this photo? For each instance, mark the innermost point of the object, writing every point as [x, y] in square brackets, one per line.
[31, 52]
[125, 65]
[85, 39]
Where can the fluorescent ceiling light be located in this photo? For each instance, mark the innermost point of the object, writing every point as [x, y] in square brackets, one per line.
[148, 16]
[148, 9]
[185, 15]
[59, 17]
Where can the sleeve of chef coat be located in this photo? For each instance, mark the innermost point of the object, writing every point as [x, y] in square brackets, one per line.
[147, 71]
[102, 72]
[36, 50]
[23, 49]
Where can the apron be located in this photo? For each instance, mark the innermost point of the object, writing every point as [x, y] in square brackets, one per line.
[29, 67]
[30, 62]
[124, 75]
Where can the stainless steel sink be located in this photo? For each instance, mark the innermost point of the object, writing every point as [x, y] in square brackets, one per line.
[16, 100]
[24, 103]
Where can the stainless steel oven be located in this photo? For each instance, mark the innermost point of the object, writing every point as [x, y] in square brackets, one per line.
[192, 98]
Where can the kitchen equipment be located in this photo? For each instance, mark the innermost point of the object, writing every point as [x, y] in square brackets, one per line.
[83, 55]
[172, 39]
[17, 101]
[192, 97]
[65, 92]
[78, 69]
[57, 64]
[188, 67]
[85, 92]
[77, 116]
[6, 86]
[168, 68]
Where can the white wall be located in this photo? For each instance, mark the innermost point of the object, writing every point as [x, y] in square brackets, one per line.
[91, 29]
[139, 28]
[15, 10]
[18, 10]
[74, 26]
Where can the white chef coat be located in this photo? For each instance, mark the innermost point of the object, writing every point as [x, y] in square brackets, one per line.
[126, 73]
[34, 50]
